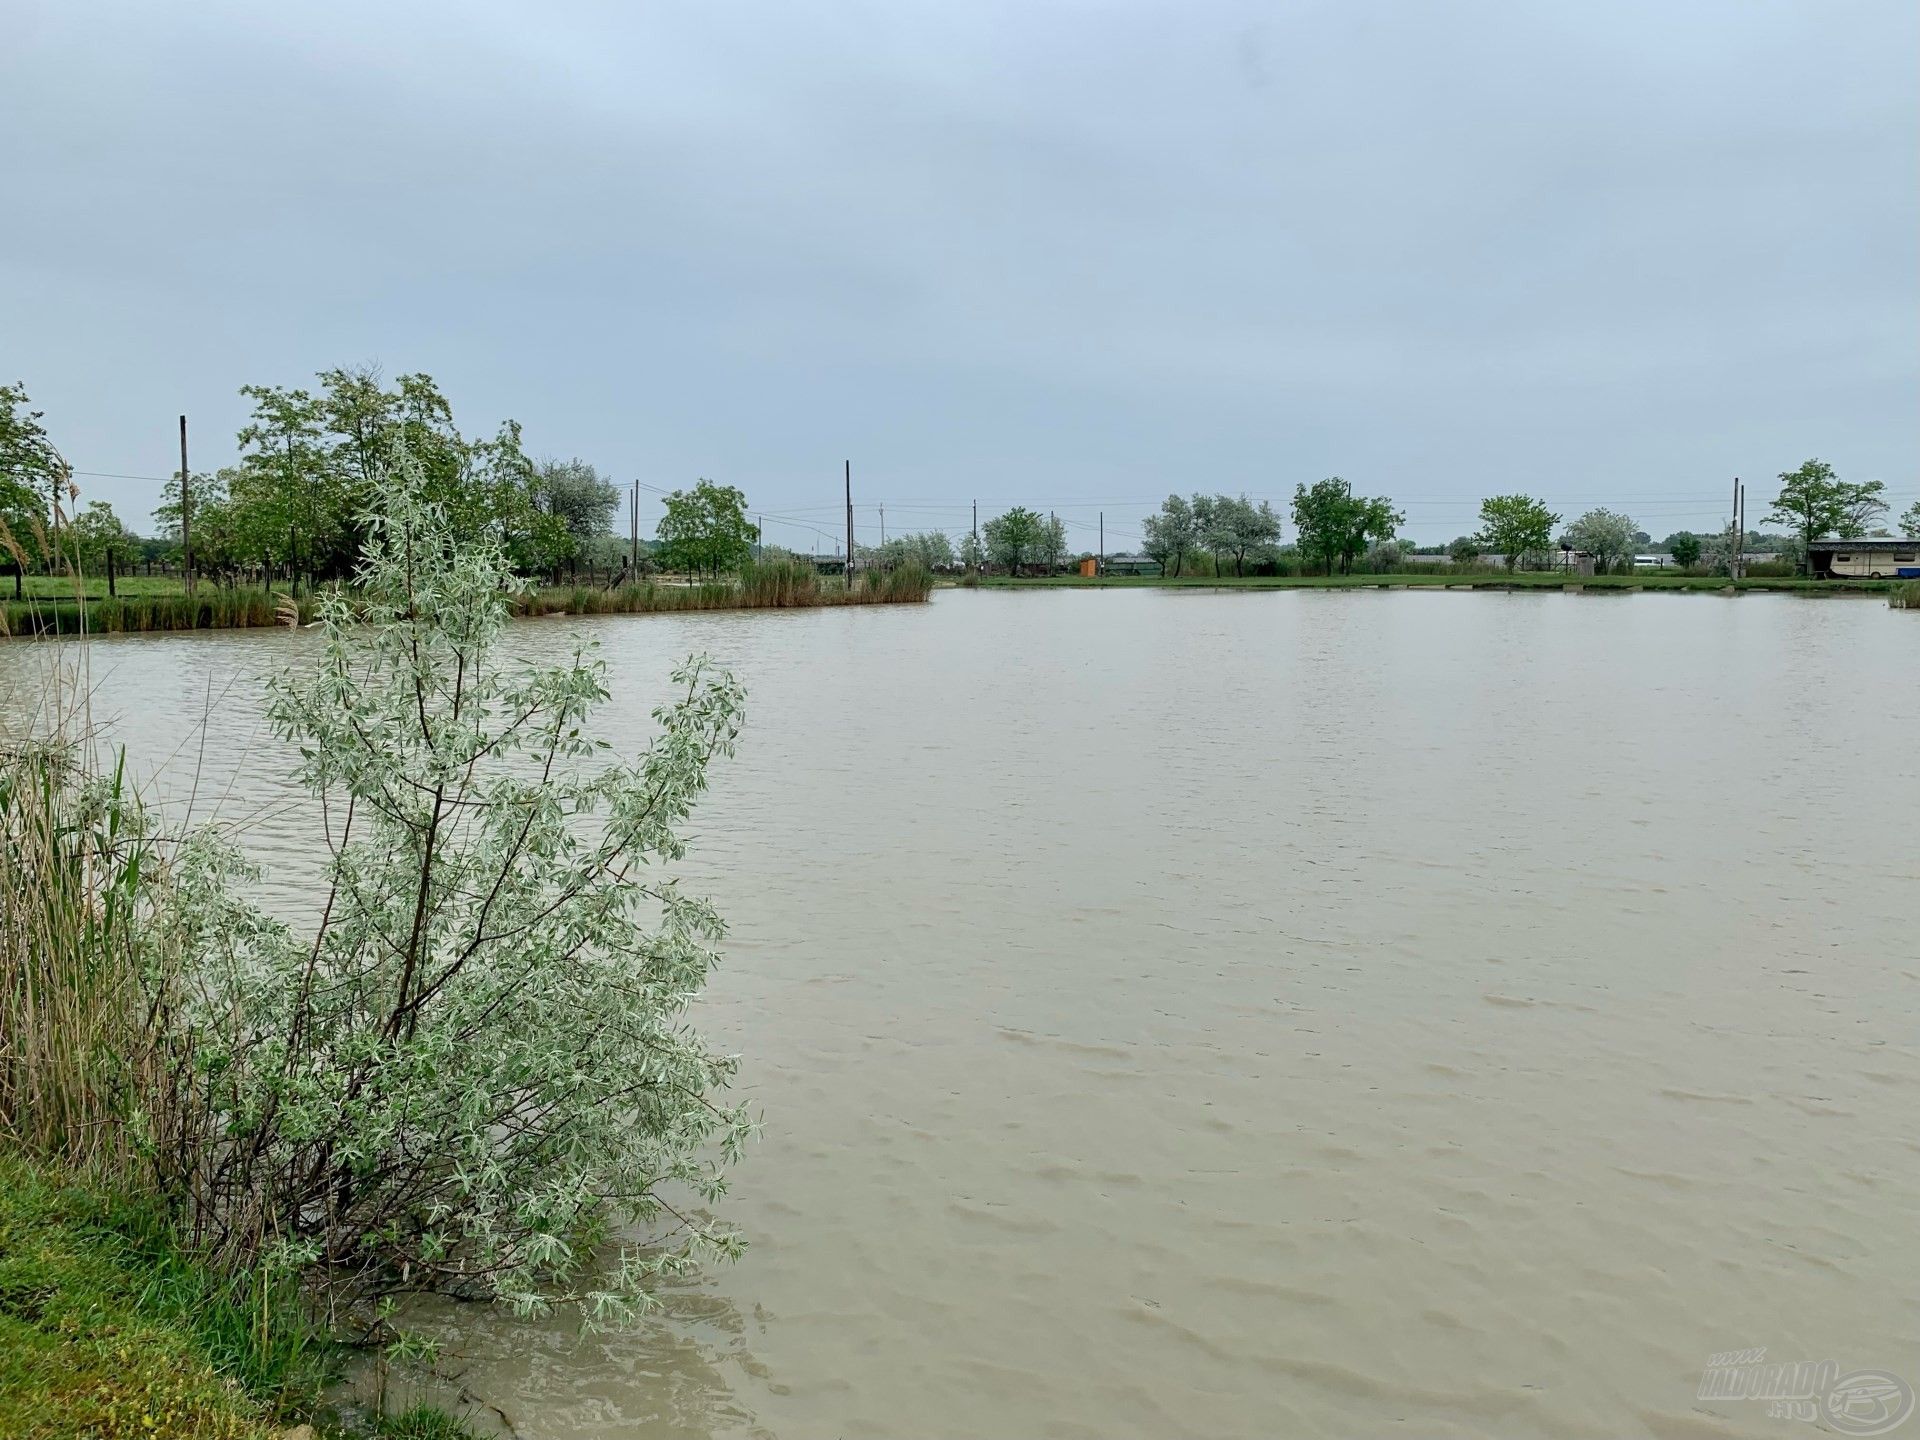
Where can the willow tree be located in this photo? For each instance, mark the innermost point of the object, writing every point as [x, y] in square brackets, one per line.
[470, 1069]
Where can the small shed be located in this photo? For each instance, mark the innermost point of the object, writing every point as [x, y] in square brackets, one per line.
[1132, 565]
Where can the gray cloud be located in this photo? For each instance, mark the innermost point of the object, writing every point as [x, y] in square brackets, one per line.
[1073, 253]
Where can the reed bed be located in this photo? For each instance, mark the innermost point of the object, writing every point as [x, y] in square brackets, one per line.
[903, 585]
[209, 608]
[770, 585]
[1905, 595]
[73, 1038]
[776, 585]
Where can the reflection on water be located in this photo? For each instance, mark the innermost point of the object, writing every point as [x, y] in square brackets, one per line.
[1239, 1015]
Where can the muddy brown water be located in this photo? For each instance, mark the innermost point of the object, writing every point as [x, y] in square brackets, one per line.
[1299, 1013]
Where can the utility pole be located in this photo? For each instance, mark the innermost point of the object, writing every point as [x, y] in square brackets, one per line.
[186, 514]
[849, 522]
[883, 526]
[1743, 527]
[633, 524]
[1100, 565]
[1739, 538]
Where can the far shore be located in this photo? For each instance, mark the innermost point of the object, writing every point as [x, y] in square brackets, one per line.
[1519, 580]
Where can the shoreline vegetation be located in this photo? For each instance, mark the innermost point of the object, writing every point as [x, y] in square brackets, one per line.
[76, 607]
[111, 1331]
[230, 1143]
[1489, 580]
[766, 585]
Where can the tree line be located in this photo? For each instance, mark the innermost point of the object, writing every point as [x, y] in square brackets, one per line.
[1812, 503]
[311, 464]
[1335, 529]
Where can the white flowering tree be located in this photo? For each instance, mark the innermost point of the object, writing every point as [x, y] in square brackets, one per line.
[472, 1071]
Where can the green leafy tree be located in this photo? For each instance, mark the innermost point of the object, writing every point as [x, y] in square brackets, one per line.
[1814, 503]
[973, 554]
[1465, 550]
[1015, 538]
[312, 461]
[94, 533]
[1606, 535]
[292, 490]
[1684, 546]
[471, 1069]
[580, 498]
[1910, 519]
[31, 476]
[1053, 543]
[1170, 534]
[1335, 525]
[214, 528]
[705, 530]
[1515, 526]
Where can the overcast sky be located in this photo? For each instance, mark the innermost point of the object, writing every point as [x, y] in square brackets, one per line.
[1072, 255]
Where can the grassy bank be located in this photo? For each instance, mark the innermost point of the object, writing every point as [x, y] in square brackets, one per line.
[91, 587]
[109, 1332]
[1521, 580]
[105, 1331]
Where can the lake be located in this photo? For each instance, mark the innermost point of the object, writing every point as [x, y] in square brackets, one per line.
[1247, 1014]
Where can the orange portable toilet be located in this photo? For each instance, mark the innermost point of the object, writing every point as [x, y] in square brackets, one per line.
[1089, 567]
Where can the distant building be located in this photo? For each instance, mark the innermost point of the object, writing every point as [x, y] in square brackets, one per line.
[1893, 557]
[1132, 565]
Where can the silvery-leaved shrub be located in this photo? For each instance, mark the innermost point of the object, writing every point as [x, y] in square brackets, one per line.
[472, 1070]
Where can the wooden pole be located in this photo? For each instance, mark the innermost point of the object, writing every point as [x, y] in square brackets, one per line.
[186, 514]
[1741, 524]
[849, 522]
[1732, 555]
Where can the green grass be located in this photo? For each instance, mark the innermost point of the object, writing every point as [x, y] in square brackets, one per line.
[104, 1332]
[1491, 580]
[109, 1332]
[93, 587]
